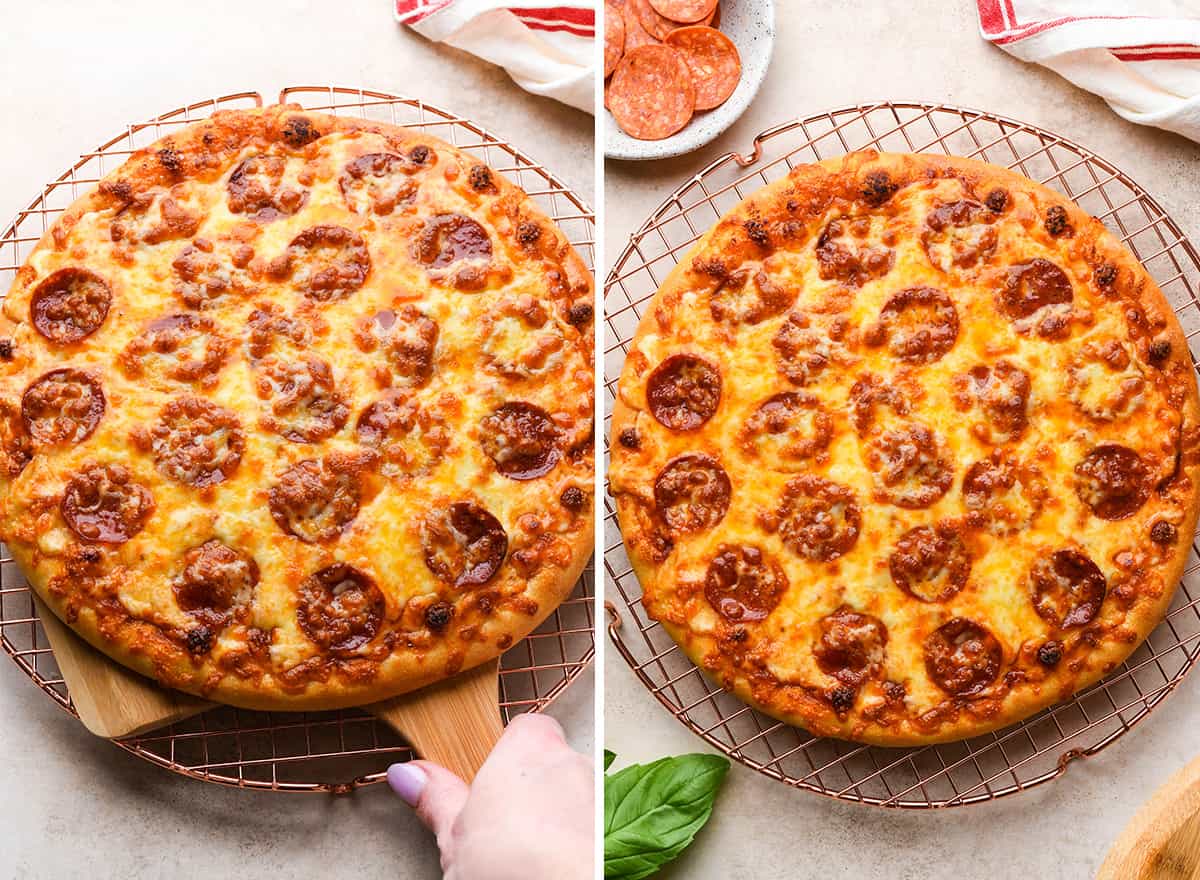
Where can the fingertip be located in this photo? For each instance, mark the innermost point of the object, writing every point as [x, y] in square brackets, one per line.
[409, 781]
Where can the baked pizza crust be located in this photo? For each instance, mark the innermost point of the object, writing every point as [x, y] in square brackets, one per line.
[352, 264]
[891, 699]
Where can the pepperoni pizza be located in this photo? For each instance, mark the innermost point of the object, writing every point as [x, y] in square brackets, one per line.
[295, 411]
[906, 449]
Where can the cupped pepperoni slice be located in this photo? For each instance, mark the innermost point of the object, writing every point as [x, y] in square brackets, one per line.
[713, 60]
[930, 563]
[909, 466]
[205, 277]
[184, 347]
[1105, 383]
[683, 392]
[411, 438]
[456, 248]
[846, 251]
[962, 657]
[1002, 495]
[651, 95]
[257, 189]
[340, 608]
[328, 262]
[743, 584]
[154, 217]
[315, 501]
[803, 352]
[70, 305]
[750, 296]
[959, 235]
[818, 519]
[300, 400]
[1068, 588]
[1003, 393]
[787, 430]
[919, 325]
[196, 442]
[851, 647]
[62, 406]
[868, 395]
[1029, 288]
[271, 330]
[408, 338]
[216, 584]
[692, 493]
[521, 339]
[614, 38]
[684, 10]
[1113, 481]
[378, 183]
[464, 544]
[102, 503]
[521, 439]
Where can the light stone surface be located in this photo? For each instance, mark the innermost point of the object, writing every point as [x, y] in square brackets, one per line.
[829, 55]
[73, 74]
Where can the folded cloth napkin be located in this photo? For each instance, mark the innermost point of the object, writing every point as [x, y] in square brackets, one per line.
[1141, 56]
[546, 47]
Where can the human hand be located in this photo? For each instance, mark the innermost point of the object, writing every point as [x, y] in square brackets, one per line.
[527, 816]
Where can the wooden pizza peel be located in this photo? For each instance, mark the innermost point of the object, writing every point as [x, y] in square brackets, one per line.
[455, 722]
[1162, 841]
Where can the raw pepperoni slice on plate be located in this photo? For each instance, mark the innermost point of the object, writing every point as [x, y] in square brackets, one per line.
[651, 95]
[635, 34]
[713, 60]
[614, 37]
[656, 24]
[684, 10]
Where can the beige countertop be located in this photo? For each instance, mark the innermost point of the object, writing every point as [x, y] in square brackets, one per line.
[835, 54]
[77, 807]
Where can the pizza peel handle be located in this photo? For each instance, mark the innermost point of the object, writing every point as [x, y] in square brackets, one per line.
[1162, 841]
[455, 722]
[112, 701]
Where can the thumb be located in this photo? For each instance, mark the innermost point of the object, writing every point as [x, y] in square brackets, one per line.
[437, 794]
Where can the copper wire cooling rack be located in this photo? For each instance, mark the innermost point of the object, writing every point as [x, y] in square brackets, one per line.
[982, 769]
[312, 751]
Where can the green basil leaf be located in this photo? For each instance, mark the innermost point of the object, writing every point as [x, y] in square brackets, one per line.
[609, 757]
[653, 811]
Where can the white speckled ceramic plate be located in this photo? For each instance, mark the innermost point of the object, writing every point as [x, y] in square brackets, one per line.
[750, 24]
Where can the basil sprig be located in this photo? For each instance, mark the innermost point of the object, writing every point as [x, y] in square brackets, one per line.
[653, 811]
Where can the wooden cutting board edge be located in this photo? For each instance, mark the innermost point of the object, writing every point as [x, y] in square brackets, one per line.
[455, 722]
[1162, 840]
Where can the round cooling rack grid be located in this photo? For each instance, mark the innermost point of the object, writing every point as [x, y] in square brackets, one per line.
[311, 751]
[1010, 760]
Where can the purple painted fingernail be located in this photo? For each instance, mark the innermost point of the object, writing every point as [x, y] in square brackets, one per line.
[407, 781]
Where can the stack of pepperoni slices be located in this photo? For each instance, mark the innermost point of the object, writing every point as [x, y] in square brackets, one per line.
[667, 61]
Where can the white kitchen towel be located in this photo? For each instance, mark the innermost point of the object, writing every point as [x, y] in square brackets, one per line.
[1141, 56]
[546, 47]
